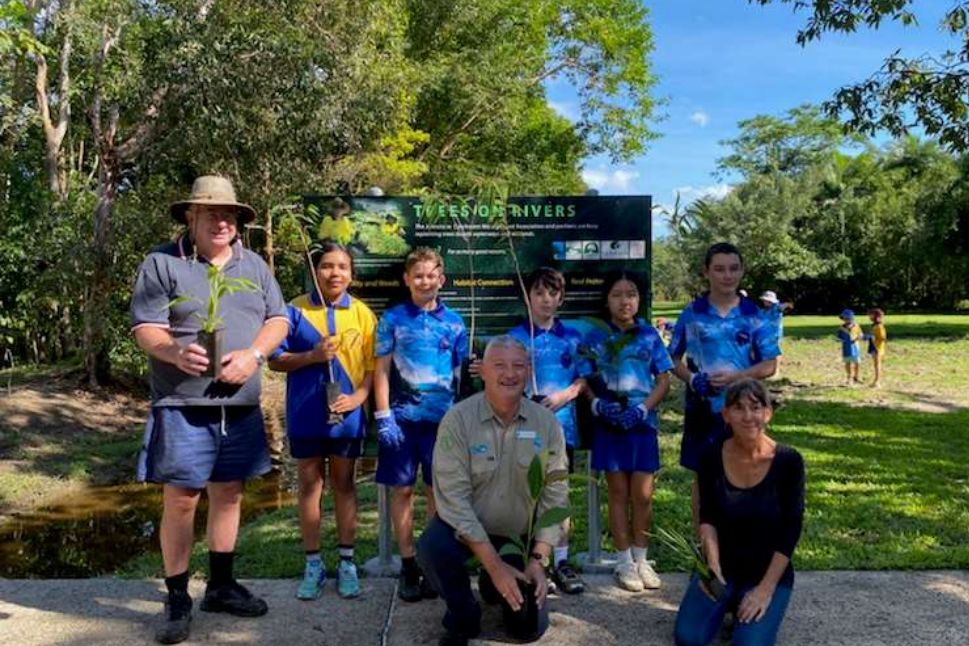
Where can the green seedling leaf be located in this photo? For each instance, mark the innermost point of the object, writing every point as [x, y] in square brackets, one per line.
[553, 517]
[536, 477]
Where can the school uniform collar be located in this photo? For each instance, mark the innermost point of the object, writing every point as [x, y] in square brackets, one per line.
[746, 306]
[557, 329]
[414, 311]
[341, 303]
[486, 412]
[638, 324]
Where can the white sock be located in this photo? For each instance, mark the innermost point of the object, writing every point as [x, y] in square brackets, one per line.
[624, 556]
[561, 554]
[639, 553]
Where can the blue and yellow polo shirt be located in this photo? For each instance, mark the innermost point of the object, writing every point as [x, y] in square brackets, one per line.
[353, 325]
[557, 365]
[427, 347]
[744, 337]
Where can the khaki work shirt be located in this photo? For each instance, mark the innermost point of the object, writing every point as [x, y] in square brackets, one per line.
[481, 469]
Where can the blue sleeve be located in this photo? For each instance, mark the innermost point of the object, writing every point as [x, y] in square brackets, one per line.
[294, 316]
[767, 342]
[583, 364]
[273, 296]
[385, 336]
[151, 296]
[661, 360]
[461, 344]
[678, 342]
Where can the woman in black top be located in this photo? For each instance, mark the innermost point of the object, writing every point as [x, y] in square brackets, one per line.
[751, 510]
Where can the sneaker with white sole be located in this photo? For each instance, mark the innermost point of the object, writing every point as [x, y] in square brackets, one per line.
[347, 581]
[627, 577]
[648, 575]
[314, 576]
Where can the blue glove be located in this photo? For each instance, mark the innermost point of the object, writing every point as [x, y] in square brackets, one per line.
[700, 383]
[633, 417]
[389, 434]
[610, 411]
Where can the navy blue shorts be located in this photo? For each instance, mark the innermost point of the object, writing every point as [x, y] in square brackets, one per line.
[398, 467]
[702, 429]
[627, 451]
[319, 447]
[192, 445]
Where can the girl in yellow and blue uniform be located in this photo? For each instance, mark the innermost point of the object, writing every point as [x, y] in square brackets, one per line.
[631, 377]
[330, 341]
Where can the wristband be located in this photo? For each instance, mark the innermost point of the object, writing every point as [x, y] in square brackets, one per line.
[543, 560]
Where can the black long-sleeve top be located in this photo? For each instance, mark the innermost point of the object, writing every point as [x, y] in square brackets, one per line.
[755, 522]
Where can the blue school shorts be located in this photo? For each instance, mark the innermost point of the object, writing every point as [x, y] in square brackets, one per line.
[614, 449]
[189, 446]
[320, 447]
[398, 467]
[702, 428]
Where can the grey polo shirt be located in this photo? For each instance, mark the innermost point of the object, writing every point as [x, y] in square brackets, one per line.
[481, 469]
[170, 271]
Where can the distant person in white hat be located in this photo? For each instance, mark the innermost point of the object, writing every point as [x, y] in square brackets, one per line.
[774, 311]
[205, 428]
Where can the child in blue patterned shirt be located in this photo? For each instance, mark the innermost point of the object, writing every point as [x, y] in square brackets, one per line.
[419, 347]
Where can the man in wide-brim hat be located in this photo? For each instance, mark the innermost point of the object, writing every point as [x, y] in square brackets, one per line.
[204, 432]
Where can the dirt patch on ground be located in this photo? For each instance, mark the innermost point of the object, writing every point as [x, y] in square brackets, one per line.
[56, 436]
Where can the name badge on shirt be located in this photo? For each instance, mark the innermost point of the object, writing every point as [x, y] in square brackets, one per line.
[525, 435]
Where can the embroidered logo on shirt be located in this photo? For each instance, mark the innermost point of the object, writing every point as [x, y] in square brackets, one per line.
[444, 344]
[479, 449]
[743, 337]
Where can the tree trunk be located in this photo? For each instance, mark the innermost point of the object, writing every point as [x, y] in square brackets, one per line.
[96, 362]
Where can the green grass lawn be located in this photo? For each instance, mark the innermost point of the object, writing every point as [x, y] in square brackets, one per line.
[888, 481]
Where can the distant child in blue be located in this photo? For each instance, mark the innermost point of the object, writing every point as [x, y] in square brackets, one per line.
[631, 379]
[849, 334]
[558, 373]
[420, 345]
[719, 338]
[329, 341]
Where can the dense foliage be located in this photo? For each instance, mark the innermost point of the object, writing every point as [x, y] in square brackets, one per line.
[831, 221]
[108, 108]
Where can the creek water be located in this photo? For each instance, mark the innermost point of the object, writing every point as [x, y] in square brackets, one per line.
[96, 530]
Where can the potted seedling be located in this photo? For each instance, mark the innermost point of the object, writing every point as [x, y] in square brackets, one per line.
[605, 358]
[525, 619]
[212, 332]
[687, 549]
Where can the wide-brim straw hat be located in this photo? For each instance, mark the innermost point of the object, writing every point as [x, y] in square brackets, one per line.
[213, 190]
[769, 297]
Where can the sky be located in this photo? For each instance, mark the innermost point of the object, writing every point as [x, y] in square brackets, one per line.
[722, 61]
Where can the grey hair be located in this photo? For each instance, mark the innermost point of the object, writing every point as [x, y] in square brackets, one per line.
[748, 389]
[505, 341]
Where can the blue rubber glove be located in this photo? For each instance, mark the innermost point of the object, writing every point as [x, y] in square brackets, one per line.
[700, 383]
[389, 434]
[610, 411]
[633, 417]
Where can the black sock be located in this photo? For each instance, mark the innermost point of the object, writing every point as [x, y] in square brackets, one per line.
[408, 564]
[220, 568]
[177, 585]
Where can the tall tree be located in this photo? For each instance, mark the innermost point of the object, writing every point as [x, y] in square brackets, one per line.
[928, 91]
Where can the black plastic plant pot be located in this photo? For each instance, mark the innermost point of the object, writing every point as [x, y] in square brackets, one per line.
[598, 386]
[538, 399]
[713, 587]
[623, 401]
[212, 343]
[523, 623]
[333, 392]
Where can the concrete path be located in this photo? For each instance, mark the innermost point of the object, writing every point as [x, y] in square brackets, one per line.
[828, 608]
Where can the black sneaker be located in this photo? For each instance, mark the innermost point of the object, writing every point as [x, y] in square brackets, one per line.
[409, 585]
[234, 599]
[567, 579]
[178, 618]
[427, 590]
